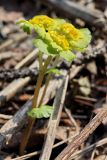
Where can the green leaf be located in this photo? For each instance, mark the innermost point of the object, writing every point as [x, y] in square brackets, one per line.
[42, 34]
[83, 41]
[21, 21]
[51, 48]
[68, 55]
[43, 111]
[45, 47]
[56, 24]
[26, 26]
[59, 21]
[53, 71]
[26, 29]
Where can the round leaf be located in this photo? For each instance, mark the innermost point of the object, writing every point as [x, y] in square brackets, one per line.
[43, 111]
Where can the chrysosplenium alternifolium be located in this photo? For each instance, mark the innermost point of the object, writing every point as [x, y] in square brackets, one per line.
[56, 37]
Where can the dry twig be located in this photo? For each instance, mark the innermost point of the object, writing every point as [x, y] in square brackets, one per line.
[92, 17]
[17, 84]
[54, 120]
[9, 42]
[78, 140]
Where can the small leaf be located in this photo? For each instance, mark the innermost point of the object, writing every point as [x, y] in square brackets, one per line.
[54, 71]
[43, 111]
[82, 43]
[59, 21]
[45, 47]
[25, 25]
[21, 21]
[56, 24]
[26, 29]
[68, 55]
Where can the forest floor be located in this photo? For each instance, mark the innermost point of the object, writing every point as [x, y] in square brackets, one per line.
[82, 89]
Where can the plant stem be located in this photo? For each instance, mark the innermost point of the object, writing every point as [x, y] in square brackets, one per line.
[45, 88]
[31, 121]
[40, 58]
[39, 82]
[26, 135]
[47, 81]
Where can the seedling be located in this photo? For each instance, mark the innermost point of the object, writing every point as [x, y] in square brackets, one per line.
[57, 39]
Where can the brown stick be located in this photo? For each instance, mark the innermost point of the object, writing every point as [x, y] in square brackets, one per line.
[54, 120]
[72, 9]
[10, 90]
[79, 139]
[17, 39]
[84, 151]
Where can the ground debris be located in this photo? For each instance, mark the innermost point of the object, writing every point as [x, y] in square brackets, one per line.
[86, 90]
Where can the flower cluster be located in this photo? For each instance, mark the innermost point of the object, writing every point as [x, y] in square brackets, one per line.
[42, 21]
[56, 36]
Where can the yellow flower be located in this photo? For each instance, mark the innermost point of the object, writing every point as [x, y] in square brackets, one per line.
[70, 31]
[61, 33]
[42, 21]
[58, 33]
[59, 39]
[56, 36]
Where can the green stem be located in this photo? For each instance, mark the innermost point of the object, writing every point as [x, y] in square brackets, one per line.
[40, 58]
[39, 82]
[31, 121]
[47, 81]
[45, 88]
